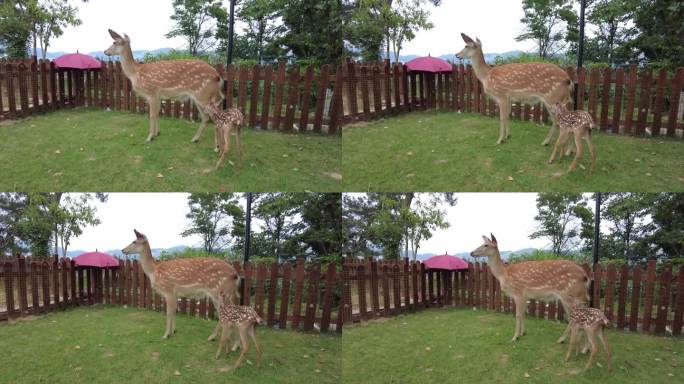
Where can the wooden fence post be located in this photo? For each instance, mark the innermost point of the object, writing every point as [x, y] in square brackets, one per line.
[330, 283]
[312, 301]
[648, 296]
[336, 111]
[299, 292]
[285, 296]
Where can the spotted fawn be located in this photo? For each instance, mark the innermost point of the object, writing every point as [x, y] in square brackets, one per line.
[592, 321]
[224, 122]
[245, 319]
[578, 123]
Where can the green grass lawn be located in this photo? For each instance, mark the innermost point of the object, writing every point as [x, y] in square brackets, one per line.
[446, 151]
[116, 345]
[465, 346]
[95, 150]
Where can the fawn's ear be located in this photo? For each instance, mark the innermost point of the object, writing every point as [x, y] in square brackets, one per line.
[493, 238]
[115, 35]
[466, 38]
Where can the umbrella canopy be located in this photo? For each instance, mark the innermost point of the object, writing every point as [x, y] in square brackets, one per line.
[429, 64]
[77, 61]
[446, 261]
[96, 259]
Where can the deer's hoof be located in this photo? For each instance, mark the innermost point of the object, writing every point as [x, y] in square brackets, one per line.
[194, 140]
[216, 150]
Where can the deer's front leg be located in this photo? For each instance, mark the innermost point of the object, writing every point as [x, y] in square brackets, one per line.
[504, 115]
[552, 130]
[171, 304]
[519, 317]
[155, 107]
[205, 118]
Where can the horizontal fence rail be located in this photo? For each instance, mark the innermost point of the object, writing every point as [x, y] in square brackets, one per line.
[628, 101]
[633, 298]
[300, 296]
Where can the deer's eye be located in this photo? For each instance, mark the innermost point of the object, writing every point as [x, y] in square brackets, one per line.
[486, 245]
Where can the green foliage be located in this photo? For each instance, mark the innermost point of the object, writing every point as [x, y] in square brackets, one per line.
[538, 254]
[613, 20]
[35, 221]
[15, 28]
[215, 217]
[560, 216]
[190, 253]
[383, 222]
[551, 24]
[199, 22]
[374, 24]
[298, 224]
[661, 31]
[559, 60]
[209, 57]
[52, 17]
[259, 39]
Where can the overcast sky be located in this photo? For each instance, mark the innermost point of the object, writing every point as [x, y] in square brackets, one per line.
[495, 22]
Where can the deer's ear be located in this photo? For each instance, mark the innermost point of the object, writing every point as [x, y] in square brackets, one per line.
[478, 41]
[138, 234]
[493, 238]
[114, 35]
[485, 239]
[466, 38]
[128, 39]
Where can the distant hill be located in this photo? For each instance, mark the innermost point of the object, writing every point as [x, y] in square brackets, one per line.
[489, 57]
[117, 252]
[466, 255]
[138, 55]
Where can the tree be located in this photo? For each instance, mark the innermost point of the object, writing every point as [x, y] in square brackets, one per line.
[383, 222]
[263, 28]
[12, 206]
[374, 24]
[551, 24]
[665, 231]
[72, 215]
[277, 213]
[212, 215]
[51, 18]
[15, 27]
[321, 215]
[661, 31]
[613, 20]
[196, 21]
[558, 216]
[312, 30]
[626, 214]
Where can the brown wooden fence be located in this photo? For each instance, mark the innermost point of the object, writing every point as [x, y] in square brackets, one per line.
[288, 296]
[270, 97]
[629, 101]
[641, 300]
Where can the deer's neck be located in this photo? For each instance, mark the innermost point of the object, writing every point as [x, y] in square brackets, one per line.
[147, 262]
[480, 67]
[497, 266]
[128, 64]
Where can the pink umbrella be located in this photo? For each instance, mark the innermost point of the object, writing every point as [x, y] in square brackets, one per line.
[77, 61]
[429, 64]
[96, 259]
[446, 261]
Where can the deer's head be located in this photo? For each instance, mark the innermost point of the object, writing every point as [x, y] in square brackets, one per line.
[229, 298]
[472, 48]
[213, 108]
[558, 108]
[487, 249]
[137, 246]
[120, 44]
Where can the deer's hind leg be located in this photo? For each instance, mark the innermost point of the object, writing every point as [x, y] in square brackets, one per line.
[578, 155]
[592, 150]
[504, 117]
[252, 334]
[602, 337]
[225, 145]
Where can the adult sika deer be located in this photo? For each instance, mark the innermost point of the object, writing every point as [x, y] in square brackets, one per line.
[524, 82]
[192, 278]
[176, 79]
[542, 280]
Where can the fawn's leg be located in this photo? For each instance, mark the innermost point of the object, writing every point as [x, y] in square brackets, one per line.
[252, 334]
[592, 150]
[239, 144]
[226, 145]
[571, 343]
[591, 336]
[225, 335]
[578, 155]
[242, 330]
[555, 148]
[602, 337]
